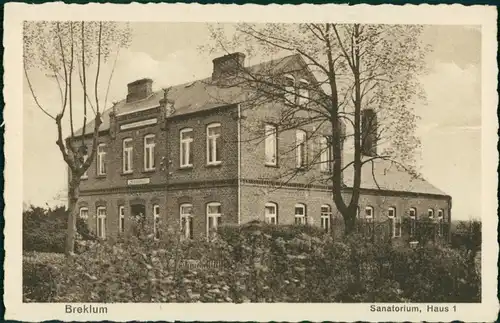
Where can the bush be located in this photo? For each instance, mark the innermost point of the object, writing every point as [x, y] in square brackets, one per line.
[44, 229]
[262, 263]
[39, 282]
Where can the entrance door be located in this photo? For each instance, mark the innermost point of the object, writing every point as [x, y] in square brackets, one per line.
[138, 214]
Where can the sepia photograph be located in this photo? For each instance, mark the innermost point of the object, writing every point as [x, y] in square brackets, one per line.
[252, 162]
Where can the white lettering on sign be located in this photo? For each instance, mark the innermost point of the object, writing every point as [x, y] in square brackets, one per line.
[138, 124]
[138, 181]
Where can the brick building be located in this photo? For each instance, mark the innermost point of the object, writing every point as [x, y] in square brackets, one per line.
[190, 157]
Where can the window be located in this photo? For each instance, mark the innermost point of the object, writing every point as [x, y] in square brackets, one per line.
[395, 222]
[121, 221]
[440, 222]
[413, 221]
[101, 222]
[271, 213]
[303, 92]
[289, 89]
[300, 214]
[271, 144]
[326, 213]
[156, 221]
[326, 155]
[101, 159]
[84, 213]
[127, 155]
[214, 220]
[149, 152]
[369, 212]
[186, 212]
[86, 174]
[301, 148]
[213, 144]
[357, 212]
[186, 154]
[430, 213]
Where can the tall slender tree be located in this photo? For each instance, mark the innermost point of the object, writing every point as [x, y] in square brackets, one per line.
[364, 91]
[72, 55]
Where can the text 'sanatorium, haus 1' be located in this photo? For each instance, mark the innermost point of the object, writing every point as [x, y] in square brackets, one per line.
[200, 154]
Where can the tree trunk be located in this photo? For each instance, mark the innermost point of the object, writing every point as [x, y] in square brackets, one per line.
[350, 222]
[73, 195]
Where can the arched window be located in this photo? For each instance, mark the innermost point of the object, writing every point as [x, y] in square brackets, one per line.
[121, 221]
[186, 214]
[430, 213]
[84, 213]
[271, 213]
[300, 214]
[413, 221]
[186, 153]
[369, 213]
[395, 222]
[214, 218]
[326, 214]
[149, 152]
[101, 222]
[213, 144]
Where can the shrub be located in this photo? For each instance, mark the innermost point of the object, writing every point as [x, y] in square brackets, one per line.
[262, 263]
[39, 282]
[44, 229]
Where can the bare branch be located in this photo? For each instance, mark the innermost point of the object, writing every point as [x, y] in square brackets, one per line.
[33, 94]
[110, 78]
[96, 93]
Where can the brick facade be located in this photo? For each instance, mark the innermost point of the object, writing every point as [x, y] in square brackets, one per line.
[242, 183]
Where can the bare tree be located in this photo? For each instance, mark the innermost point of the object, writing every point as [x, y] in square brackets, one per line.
[360, 84]
[72, 55]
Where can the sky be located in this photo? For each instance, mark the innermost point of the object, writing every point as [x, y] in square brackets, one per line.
[449, 126]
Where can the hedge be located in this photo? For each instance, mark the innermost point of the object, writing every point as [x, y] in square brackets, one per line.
[258, 263]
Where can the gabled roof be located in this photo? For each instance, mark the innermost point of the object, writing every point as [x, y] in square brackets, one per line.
[385, 175]
[194, 96]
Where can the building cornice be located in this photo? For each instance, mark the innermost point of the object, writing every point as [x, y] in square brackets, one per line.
[159, 187]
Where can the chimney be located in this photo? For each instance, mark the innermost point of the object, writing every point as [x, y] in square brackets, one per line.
[227, 65]
[139, 89]
[369, 132]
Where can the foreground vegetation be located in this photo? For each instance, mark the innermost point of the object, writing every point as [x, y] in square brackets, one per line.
[252, 263]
